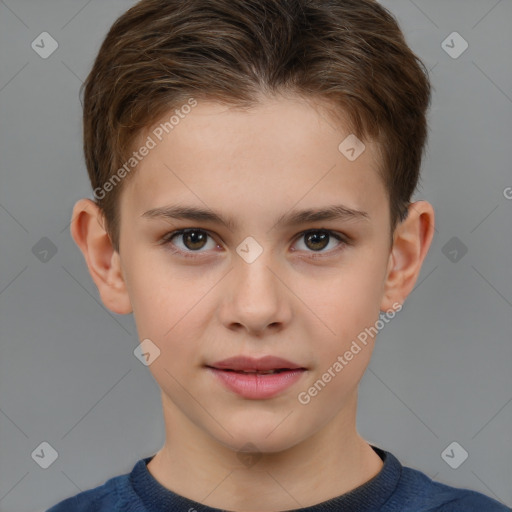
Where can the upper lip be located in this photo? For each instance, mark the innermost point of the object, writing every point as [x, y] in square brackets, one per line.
[246, 363]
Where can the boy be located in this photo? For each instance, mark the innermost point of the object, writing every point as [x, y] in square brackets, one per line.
[252, 163]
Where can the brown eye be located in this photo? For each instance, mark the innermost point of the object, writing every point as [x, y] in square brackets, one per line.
[189, 241]
[194, 240]
[317, 240]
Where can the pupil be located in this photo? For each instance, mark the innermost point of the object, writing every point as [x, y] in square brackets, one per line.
[195, 237]
[319, 240]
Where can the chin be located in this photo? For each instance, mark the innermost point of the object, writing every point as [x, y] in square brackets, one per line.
[267, 439]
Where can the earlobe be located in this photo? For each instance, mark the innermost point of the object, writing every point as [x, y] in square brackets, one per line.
[103, 262]
[412, 240]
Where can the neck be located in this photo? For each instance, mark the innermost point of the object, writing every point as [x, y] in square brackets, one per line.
[330, 463]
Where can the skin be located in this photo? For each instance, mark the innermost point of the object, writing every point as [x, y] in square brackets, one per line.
[255, 165]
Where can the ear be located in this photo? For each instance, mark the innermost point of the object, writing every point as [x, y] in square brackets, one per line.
[103, 262]
[411, 243]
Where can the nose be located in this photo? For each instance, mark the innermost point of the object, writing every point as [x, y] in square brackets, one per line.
[255, 298]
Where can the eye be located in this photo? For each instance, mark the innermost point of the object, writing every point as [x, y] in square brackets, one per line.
[192, 240]
[316, 240]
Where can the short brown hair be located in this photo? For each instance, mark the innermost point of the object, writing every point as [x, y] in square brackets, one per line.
[350, 53]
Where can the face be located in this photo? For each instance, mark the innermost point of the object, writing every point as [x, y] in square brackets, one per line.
[262, 280]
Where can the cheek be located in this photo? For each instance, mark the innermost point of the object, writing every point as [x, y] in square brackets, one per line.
[344, 305]
[342, 358]
[170, 311]
[161, 295]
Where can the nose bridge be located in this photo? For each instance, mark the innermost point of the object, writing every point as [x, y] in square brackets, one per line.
[254, 280]
[258, 299]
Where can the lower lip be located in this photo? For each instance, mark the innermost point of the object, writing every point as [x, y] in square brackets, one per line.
[258, 386]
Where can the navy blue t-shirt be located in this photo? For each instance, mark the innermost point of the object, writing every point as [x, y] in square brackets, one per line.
[394, 489]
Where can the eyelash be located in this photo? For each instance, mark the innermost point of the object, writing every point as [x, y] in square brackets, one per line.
[166, 240]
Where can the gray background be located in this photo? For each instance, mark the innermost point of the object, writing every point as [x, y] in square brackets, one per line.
[68, 376]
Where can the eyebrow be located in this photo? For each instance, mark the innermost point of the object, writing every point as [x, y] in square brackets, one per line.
[292, 218]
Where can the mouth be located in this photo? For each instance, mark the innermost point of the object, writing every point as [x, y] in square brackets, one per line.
[257, 379]
[259, 372]
[267, 365]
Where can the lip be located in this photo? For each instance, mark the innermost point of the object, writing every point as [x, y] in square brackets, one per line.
[257, 386]
[246, 363]
[254, 385]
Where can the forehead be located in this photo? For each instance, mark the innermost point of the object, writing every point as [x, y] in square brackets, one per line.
[277, 153]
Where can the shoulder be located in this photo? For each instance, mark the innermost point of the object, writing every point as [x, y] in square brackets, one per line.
[416, 492]
[104, 498]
